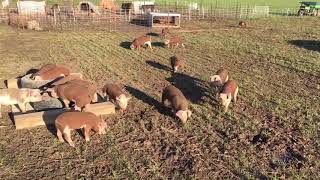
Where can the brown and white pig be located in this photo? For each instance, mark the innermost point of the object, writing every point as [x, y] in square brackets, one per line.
[116, 95]
[242, 24]
[81, 92]
[50, 72]
[229, 91]
[177, 101]
[77, 120]
[174, 41]
[177, 63]
[21, 97]
[141, 41]
[165, 32]
[217, 81]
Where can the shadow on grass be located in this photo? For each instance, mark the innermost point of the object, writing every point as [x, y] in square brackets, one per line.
[158, 65]
[126, 44]
[193, 88]
[158, 44]
[311, 45]
[153, 34]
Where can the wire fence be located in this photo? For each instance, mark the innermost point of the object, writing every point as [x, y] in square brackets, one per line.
[60, 17]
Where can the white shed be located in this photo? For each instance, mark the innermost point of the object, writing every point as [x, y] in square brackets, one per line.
[31, 7]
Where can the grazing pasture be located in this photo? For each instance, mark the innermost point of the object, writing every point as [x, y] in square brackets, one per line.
[272, 131]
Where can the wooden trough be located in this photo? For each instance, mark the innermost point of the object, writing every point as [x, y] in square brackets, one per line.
[33, 118]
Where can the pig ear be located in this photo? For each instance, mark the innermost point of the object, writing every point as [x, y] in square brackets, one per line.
[189, 113]
[179, 114]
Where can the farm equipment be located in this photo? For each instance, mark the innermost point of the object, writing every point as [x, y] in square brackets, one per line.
[309, 8]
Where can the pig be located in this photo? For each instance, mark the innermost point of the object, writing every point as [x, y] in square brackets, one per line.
[177, 63]
[50, 72]
[178, 102]
[115, 94]
[217, 81]
[77, 120]
[174, 42]
[81, 92]
[242, 24]
[229, 91]
[141, 41]
[164, 32]
[21, 97]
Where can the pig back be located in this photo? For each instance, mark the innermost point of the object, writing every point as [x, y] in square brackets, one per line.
[76, 120]
[230, 87]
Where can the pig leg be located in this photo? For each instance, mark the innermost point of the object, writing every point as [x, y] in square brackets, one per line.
[226, 107]
[77, 108]
[22, 106]
[67, 135]
[59, 135]
[66, 103]
[182, 45]
[149, 44]
[85, 108]
[95, 98]
[235, 95]
[87, 133]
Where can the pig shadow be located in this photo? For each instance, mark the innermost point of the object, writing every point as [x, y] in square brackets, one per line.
[193, 88]
[158, 44]
[126, 44]
[311, 45]
[158, 65]
[145, 98]
[153, 34]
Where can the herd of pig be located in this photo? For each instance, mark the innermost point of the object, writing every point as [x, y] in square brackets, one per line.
[82, 92]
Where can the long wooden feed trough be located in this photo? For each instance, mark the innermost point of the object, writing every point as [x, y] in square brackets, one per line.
[33, 118]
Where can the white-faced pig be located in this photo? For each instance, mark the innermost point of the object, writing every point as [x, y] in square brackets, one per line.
[21, 97]
[116, 95]
[229, 91]
[174, 41]
[242, 24]
[178, 102]
[77, 120]
[81, 92]
[177, 63]
[50, 72]
[141, 41]
[217, 81]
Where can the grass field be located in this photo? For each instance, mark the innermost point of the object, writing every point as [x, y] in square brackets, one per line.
[272, 131]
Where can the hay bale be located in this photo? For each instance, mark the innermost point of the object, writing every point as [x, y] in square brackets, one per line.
[52, 103]
[26, 82]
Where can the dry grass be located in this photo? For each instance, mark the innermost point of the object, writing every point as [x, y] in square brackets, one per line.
[273, 131]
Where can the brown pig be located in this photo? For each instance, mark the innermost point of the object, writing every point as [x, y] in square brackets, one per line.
[174, 41]
[229, 91]
[178, 102]
[77, 120]
[217, 81]
[164, 32]
[115, 94]
[80, 92]
[242, 24]
[141, 41]
[177, 63]
[50, 72]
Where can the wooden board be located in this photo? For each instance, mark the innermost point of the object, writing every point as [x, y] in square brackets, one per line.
[34, 119]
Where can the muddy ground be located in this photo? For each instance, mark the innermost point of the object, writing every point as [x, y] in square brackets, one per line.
[272, 131]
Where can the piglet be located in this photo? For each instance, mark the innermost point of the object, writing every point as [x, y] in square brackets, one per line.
[76, 120]
[177, 63]
[229, 91]
[164, 32]
[217, 81]
[178, 102]
[50, 72]
[174, 41]
[116, 95]
[242, 24]
[141, 41]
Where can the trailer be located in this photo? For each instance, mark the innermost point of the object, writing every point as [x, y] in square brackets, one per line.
[309, 9]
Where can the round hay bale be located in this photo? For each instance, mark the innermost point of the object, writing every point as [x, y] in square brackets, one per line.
[26, 82]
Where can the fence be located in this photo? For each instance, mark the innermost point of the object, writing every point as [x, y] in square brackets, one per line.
[66, 16]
